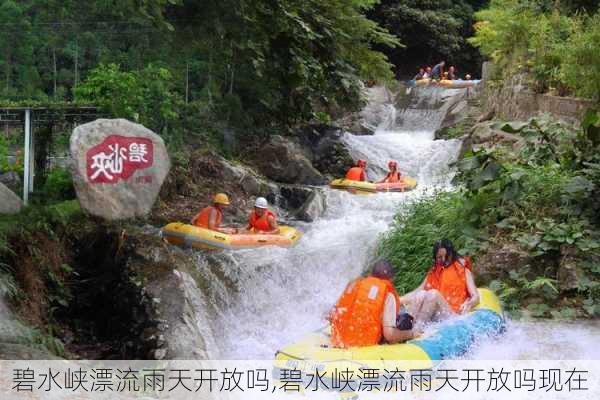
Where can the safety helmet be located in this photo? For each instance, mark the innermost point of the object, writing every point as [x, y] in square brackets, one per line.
[361, 163]
[392, 164]
[221, 198]
[261, 202]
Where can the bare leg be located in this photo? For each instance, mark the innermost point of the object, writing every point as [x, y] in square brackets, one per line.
[435, 307]
[426, 306]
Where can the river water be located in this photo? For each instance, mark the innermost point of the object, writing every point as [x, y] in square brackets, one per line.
[273, 296]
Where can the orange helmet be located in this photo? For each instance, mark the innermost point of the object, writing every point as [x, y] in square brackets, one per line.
[361, 163]
[392, 164]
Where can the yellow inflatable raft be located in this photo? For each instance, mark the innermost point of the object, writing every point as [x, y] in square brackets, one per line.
[451, 339]
[406, 183]
[189, 235]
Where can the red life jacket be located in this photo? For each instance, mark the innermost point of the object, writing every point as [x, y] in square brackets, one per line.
[203, 217]
[261, 223]
[357, 318]
[451, 282]
[356, 174]
[393, 177]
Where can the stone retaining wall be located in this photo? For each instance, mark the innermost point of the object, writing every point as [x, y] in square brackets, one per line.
[515, 101]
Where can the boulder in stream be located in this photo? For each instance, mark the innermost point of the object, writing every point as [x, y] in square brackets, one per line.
[313, 208]
[283, 160]
[118, 168]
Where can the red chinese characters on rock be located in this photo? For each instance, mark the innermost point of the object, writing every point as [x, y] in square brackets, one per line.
[118, 157]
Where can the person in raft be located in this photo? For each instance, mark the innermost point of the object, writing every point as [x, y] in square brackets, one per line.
[210, 217]
[420, 75]
[358, 172]
[451, 73]
[369, 312]
[447, 290]
[262, 220]
[393, 175]
[438, 70]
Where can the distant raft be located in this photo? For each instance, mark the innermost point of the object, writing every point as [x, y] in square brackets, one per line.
[406, 183]
[452, 339]
[200, 238]
[446, 83]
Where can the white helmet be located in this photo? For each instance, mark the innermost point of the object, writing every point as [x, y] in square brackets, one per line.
[261, 202]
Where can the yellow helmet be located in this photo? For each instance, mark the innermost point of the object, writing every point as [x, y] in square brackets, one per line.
[221, 198]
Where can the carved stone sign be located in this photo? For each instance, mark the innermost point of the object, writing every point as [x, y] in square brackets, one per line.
[119, 167]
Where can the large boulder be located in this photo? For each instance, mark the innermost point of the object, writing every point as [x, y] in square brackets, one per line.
[326, 149]
[118, 168]
[10, 203]
[283, 160]
[313, 208]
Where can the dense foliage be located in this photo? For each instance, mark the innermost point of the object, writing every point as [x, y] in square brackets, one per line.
[558, 43]
[259, 65]
[541, 199]
[431, 31]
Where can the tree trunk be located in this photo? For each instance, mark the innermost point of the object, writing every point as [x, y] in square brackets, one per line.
[54, 68]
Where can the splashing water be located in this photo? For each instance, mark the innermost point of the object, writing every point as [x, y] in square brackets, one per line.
[273, 296]
[264, 299]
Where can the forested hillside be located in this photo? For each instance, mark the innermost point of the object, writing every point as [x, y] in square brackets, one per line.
[180, 65]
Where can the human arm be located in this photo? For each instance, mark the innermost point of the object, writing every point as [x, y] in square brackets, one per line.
[391, 334]
[272, 225]
[473, 293]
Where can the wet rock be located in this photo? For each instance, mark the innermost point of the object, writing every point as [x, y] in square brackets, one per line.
[176, 321]
[328, 152]
[366, 121]
[12, 180]
[119, 167]
[10, 203]
[294, 196]
[499, 260]
[569, 273]
[282, 160]
[456, 113]
[485, 134]
[313, 208]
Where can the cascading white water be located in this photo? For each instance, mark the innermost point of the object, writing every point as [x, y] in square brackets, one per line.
[275, 296]
[262, 300]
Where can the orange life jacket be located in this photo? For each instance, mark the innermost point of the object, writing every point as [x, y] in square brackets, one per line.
[355, 174]
[261, 223]
[392, 177]
[451, 282]
[203, 217]
[357, 317]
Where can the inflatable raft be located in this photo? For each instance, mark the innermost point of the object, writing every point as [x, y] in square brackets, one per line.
[193, 236]
[407, 183]
[450, 84]
[450, 340]
[458, 83]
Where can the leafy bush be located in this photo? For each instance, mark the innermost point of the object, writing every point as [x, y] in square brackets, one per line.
[559, 47]
[147, 96]
[581, 66]
[408, 245]
[541, 197]
[58, 186]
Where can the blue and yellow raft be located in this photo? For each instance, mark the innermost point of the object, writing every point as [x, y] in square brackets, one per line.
[450, 340]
